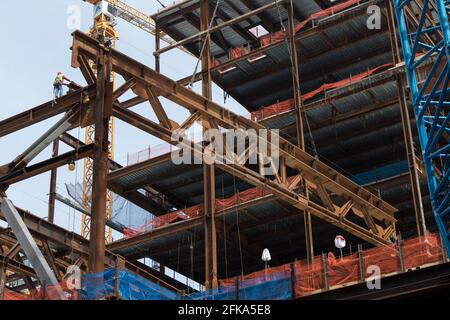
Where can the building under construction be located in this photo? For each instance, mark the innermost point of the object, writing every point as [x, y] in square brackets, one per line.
[357, 90]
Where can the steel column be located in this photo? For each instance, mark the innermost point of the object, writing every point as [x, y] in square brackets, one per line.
[52, 192]
[103, 107]
[406, 124]
[3, 268]
[299, 112]
[209, 185]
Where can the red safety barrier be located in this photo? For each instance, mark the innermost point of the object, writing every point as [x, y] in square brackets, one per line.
[309, 277]
[325, 13]
[281, 107]
[272, 38]
[49, 293]
[342, 271]
[346, 270]
[197, 210]
[279, 36]
[422, 251]
[236, 53]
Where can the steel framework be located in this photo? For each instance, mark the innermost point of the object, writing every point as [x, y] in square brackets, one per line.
[425, 34]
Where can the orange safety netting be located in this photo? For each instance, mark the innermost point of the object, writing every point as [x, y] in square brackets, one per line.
[288, 105]
[258, 277]
[270, 38]
[422, 251]
[197, 210]
[238, 52]
[325, 13]
[279, 36]
[49, 293]
[308, 278]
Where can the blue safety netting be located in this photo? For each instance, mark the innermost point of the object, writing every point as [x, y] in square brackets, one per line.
[272, 287]
[133, 287]
[130, 287]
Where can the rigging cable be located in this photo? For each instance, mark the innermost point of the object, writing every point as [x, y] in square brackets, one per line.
[286, 39]
[205, 42]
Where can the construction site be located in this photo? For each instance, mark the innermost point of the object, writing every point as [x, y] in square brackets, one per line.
[332, 182]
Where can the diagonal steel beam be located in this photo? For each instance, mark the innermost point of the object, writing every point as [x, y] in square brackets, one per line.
[29, 246]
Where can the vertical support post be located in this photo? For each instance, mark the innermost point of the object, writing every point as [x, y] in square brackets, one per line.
[157, 47]
[362, 268]
[209, 196]
[2, 279]
[444, 252]
[325, 271]
[237, 287]
[293, 280]
[52, 192]
[283, 171]
[118, 266]
[299, 122]
[103, 109]
[407, 127]
[401, 256]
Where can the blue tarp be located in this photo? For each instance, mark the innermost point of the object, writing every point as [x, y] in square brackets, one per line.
[385, 172]
[133, 287]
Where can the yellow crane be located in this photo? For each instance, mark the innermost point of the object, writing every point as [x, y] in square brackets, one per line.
[103, 27]
[105, 12]
[120, 9]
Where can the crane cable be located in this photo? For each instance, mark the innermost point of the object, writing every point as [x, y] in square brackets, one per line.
[205, 42]
[283, 28]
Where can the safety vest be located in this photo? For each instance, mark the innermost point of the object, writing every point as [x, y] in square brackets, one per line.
[59, 79]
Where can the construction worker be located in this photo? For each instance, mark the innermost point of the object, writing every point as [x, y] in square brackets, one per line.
[58, 85]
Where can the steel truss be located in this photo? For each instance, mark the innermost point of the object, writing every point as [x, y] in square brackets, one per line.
[336, 198]
[425, 35]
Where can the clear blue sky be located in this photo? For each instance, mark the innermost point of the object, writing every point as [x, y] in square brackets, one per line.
[35, 45]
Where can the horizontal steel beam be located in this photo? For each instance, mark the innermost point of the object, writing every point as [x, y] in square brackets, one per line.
[47, 165]
[228, 23]
[45, 111]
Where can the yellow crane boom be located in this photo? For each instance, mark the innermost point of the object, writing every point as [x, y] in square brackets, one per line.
[105, 12]
[130, 14]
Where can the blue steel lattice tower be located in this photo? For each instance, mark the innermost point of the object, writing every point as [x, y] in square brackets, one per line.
[425, 36]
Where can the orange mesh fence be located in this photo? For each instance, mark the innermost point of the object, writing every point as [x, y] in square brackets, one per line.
[279, 36]
[421, 251]
[277, 108]
[272, 38]
[309, 277]
[346, 270]
[325, 13]
[236, 53]
[342, 271]
[386, 258]
[10, 295]
[197, 210]
[288, 105]
[49, 293]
